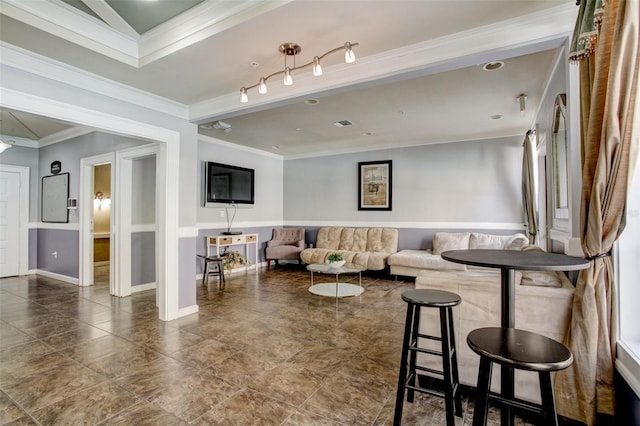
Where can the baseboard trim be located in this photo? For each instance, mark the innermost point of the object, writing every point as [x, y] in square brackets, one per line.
[143, 287]
[65, 278]
[188, 310]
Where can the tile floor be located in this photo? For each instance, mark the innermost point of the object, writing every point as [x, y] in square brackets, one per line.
[263, 351]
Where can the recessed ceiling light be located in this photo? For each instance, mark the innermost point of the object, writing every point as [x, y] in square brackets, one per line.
[367, 134]
[275, 147]
[493, 66]
[496, 117]
[312, 101]
[254, 65]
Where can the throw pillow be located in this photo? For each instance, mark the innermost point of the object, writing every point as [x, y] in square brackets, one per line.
[541, 279]
[487, 241]
[445, 241]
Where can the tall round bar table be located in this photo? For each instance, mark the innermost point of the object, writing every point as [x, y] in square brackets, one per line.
[509, 261]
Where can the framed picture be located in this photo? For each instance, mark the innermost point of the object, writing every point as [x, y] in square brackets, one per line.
[55, 193]
[374, 185]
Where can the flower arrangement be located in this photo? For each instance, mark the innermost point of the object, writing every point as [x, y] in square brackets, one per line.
[232, 260]
[334, 257]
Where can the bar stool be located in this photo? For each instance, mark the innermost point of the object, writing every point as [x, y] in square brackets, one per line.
[517, 349]
[444, 301]
[219, 270]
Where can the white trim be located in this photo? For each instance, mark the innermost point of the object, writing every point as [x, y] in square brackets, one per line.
[168, 167]
[193, 309]
[23, 231]
[143, 287]
[64, 226]
[70, 133]
[123, 214]
[24, 60]
[514, 226]
[27, 143]
[209, 139]
[516, 36]
[85, 219]
[60, 277]
[628, 366]
[198, 23]
[412, 225]
[143, 227]
[111, 17]
[69, 23]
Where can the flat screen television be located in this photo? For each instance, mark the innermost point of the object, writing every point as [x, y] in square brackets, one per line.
[228, 184]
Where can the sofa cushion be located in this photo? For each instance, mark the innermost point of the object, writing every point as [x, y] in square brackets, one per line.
[369, 247]
[423, 260]
[444, 241]
[542, 278]
[479, 241]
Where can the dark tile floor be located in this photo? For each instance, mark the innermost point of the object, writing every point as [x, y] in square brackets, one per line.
[262, 351]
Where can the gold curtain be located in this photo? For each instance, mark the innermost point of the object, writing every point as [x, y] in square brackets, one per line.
[529, 192]
[609, 142]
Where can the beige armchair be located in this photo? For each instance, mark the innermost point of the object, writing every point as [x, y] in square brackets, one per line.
[285, 243]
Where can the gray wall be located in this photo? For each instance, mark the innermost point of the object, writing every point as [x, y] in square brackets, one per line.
[462, 182]
[143, 212]
[268, 205]
[70, 153]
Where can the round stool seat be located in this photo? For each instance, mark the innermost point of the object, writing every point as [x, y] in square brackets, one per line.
[519, 349]
[431, 298]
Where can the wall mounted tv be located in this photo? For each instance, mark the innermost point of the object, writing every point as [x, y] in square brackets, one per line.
[228, 184]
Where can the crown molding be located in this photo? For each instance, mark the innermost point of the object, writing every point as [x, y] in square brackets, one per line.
[72, 132]
[209, 139]
[65, 21]
[199, 23]
[27, 143]
[117, 40]
[24, 60]
[525, 34]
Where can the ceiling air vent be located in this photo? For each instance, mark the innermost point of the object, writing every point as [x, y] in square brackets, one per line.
[342, 123]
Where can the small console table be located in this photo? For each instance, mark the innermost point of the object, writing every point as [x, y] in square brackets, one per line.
[215, 242]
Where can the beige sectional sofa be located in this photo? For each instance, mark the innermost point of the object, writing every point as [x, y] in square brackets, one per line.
[369, 247]
[542, 300]
[410, 262]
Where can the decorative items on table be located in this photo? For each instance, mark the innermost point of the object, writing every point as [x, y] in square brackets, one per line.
[233, 259]
[335, 260]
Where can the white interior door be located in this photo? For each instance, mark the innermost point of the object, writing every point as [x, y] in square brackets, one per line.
[9, 224]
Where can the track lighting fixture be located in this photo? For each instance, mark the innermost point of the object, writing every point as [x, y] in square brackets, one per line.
[292, 49]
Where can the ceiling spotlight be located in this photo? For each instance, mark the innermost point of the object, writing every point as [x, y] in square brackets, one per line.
[291, 50]
[522, 99]
[493, 66]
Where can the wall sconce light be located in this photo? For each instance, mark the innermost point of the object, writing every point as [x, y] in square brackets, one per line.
[100, 199]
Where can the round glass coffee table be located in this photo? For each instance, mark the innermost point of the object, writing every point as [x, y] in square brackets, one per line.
[336, 289]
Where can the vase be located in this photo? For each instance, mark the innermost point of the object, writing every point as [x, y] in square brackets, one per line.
[337, 264]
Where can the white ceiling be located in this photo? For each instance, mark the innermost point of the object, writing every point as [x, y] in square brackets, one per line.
[418, 78]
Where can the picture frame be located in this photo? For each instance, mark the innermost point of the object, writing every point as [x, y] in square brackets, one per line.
[54, 198]
[375, 185]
